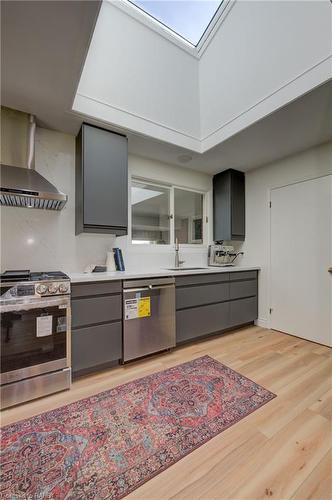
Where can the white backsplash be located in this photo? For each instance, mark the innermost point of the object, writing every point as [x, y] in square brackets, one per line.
[45, 240]
[42, 239]
[153, 258]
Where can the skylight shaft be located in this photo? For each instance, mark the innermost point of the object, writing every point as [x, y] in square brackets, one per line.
[187, 18]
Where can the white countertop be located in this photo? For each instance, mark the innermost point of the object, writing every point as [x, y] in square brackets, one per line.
[123, 275]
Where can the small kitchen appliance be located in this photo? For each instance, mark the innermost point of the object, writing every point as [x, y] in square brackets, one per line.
[35, 335]
[220, 255]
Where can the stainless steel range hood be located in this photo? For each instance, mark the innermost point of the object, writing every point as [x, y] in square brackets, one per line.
[24, 187]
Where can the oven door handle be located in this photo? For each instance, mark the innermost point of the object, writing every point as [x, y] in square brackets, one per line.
[29, 305]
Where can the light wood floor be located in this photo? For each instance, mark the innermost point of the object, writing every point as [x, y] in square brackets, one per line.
[283, 450]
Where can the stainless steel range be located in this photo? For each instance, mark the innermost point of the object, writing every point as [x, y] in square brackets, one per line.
[35, 335]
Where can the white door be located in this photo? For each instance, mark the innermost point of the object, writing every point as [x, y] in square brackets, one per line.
[301, 255]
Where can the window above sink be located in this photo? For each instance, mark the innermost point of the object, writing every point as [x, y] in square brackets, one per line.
[150, 209]
[162, 213]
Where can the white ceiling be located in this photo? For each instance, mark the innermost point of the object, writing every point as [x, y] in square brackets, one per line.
[302, 124]
[44, 45]
[136, 78]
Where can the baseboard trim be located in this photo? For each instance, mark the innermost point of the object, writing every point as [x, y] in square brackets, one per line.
[261, 322]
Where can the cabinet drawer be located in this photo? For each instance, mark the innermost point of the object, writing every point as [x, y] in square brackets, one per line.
[96, 345]
[240, 289]
[191, 323]
[198, 279]
[88, 289]
[243, 275]
[243, 311]
[96, 310]
[201, 294]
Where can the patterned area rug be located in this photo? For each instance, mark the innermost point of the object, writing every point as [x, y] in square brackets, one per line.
[107, 445]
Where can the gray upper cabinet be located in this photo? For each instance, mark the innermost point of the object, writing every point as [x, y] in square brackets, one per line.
[101, 181]
[229, 206]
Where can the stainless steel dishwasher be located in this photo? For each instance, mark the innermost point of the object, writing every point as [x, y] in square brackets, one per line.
[148, 316]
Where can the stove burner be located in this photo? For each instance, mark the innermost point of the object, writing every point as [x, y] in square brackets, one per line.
[48, 276]
[26, 275]
[17, 284]
[20, 275]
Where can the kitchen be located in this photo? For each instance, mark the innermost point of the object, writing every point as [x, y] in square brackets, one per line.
[199, 236]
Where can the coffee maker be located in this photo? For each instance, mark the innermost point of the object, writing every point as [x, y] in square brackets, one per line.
[220, 255]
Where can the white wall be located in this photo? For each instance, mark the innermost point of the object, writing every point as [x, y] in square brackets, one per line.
[45, 240]
[162, 172]
[263, 55]
[136, 78]
[309, 164]
[42, 239]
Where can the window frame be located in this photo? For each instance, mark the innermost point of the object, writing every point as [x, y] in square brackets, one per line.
[171, 187]
[136, 180]
[196, 51]
[174, 32]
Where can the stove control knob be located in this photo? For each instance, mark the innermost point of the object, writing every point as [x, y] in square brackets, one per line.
[64, 288]
[41, 289]
[53, 288]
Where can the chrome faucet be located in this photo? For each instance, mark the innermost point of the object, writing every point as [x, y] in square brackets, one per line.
[178, 262]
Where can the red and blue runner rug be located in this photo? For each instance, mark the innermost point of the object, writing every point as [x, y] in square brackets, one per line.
[107, 445]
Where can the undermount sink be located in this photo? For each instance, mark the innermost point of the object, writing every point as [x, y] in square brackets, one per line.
[225, 265]
[185, 268]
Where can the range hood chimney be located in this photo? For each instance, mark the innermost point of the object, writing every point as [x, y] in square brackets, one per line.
[24, 187]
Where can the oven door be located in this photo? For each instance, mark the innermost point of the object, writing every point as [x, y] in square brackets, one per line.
[35, 337]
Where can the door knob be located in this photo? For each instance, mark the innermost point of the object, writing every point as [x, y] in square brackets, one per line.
[330, 270]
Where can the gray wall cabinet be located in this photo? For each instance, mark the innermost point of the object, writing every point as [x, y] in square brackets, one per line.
[210, 303]
[101, 181]
[229, 206]
[96, 325]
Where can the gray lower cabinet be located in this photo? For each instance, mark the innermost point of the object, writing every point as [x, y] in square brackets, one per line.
[97, 288]
[242, 311]
[200, 295]
[240, 289]
[93, 310]
[206, 304]
[96, 325]
[199, 321]
[93, 346]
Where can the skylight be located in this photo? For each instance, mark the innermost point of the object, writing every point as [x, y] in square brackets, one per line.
[187, 18]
